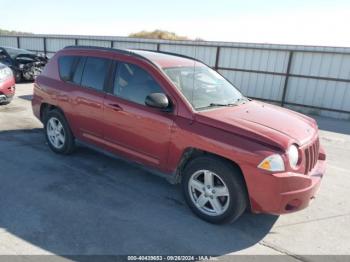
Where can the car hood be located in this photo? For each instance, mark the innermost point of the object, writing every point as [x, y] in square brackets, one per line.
[265, 122]
[32, 56]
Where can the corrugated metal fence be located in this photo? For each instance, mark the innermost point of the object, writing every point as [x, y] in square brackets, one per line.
[309, 79]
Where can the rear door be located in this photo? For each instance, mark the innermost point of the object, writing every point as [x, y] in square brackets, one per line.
[86, 94]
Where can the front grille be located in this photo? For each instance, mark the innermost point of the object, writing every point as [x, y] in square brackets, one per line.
[311, 155]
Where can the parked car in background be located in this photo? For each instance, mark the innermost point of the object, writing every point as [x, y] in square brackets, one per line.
[25, 65]
[7, 84]
[185, 121]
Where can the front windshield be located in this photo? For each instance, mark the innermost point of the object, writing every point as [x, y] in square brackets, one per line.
[13, 52]
[203, 87]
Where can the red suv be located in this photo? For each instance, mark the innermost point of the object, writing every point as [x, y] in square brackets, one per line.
[183, 120]
[7, 84]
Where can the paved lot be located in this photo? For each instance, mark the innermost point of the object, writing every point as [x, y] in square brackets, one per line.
[89, 203]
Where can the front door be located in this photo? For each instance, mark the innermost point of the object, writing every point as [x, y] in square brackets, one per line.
[132, 128]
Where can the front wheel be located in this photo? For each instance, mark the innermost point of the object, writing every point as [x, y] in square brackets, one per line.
[58, 134]
[214, 189]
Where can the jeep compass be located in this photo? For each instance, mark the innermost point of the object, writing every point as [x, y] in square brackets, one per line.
[182, 119]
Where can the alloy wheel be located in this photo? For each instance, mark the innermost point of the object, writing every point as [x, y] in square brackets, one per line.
[209, 192]
[55, 133]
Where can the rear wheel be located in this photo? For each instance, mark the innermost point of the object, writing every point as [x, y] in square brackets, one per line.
[58, 134]
[214, 189]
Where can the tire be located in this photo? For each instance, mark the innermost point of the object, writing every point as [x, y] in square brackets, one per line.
[229, 200]
[58, 133]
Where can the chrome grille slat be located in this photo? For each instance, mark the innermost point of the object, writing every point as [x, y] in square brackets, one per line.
[311, 155]
[311, 158]
[307, 160]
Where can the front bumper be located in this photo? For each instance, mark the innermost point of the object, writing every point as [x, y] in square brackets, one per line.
[6, 98]
[286, 192]
[295, 200]
[7, 90]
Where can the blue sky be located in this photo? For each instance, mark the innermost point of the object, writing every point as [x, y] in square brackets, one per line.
[315, 22]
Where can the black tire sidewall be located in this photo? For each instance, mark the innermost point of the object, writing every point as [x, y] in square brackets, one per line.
[69, 139]
[233, 180]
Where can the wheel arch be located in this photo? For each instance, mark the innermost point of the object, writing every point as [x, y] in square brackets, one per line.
[192, 153]
[45, 107]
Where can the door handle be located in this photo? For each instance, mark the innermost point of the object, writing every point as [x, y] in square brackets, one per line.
[115, 107]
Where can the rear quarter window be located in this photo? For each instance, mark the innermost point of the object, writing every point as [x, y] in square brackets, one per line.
[65, 67]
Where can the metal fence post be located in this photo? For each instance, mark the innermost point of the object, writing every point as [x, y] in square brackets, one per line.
[217, 57]
[18, 42]
[76, 41]
[111, 43]
[158, 47]
[285, 87]
[45, 48]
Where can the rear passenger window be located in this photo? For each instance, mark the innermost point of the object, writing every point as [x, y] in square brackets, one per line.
[66, 65]
[78, 71]
[134, 84]
[95, 71]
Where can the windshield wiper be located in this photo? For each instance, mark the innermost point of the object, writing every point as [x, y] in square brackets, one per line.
[218, 104]
[235, 103]
[239, 101]
[242, 99]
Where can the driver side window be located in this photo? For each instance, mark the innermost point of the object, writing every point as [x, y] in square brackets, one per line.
[133, 83]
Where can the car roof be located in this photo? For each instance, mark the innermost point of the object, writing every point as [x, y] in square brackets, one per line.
[18, 50]
[159, 58]
[165, 60]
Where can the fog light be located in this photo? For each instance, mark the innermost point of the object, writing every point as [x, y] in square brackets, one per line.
[292, 205]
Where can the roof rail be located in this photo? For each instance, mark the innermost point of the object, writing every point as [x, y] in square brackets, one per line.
[98, 48]
[120, 51]
[130, 52]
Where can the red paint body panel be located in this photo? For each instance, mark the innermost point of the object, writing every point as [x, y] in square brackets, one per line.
[7, 88]
[245, 134]
[131, 128]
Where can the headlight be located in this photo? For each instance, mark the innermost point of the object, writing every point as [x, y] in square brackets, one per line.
[5, 73]
[293, 156]
[272, 163]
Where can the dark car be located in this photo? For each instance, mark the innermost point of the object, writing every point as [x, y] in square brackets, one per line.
[7, 85]
[25, 65]
[185, 121]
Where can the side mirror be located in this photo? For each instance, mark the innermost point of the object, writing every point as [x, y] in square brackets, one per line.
[157, 100]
